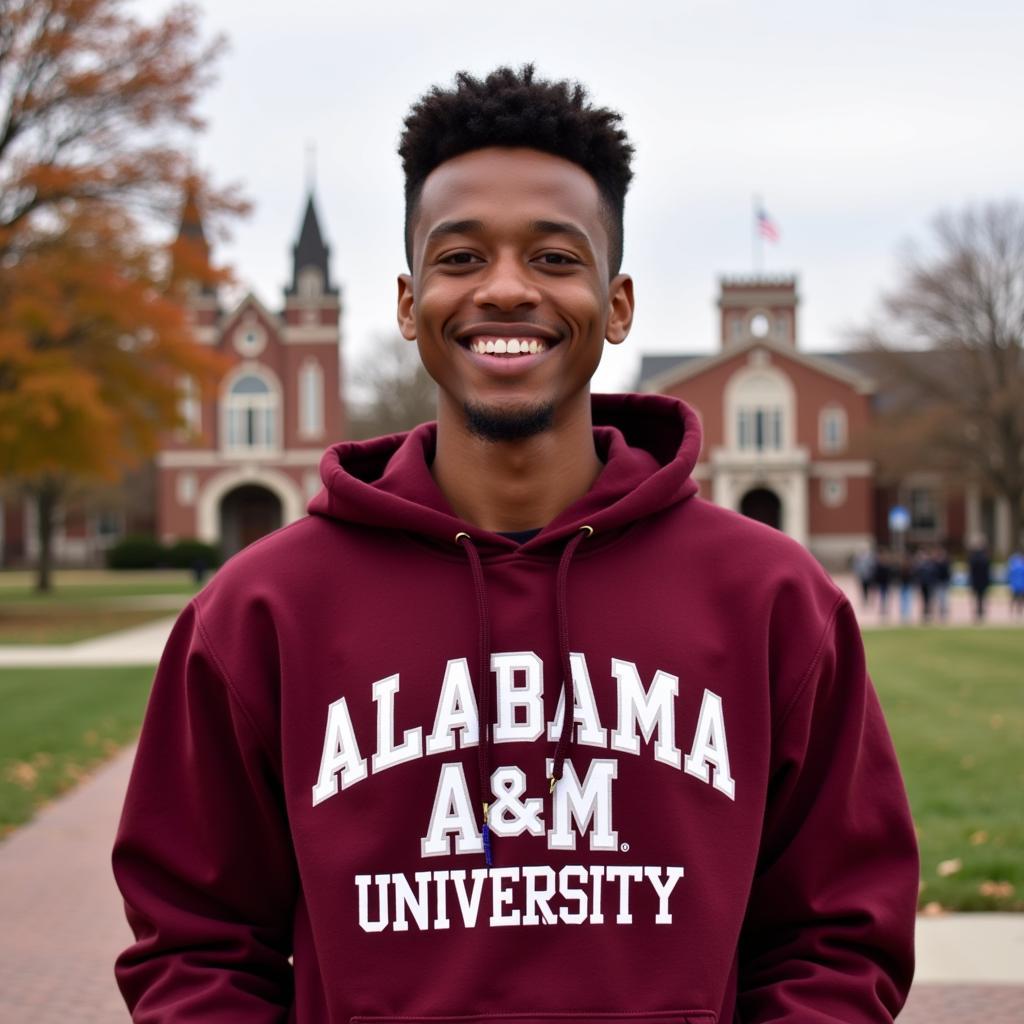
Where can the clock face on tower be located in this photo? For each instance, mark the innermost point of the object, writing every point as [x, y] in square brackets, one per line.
[759, 325]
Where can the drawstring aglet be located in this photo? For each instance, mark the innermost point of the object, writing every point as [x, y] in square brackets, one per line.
[486, 833]
[554, 782]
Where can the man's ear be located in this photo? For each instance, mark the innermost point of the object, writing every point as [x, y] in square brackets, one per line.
[620, 308]
[406, 317]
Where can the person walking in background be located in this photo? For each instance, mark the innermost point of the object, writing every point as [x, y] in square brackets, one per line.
[979, 571]
[863, 564]
[883, 578]
[926, 573]
[905, 567]
[1015, 581]
[943, 578]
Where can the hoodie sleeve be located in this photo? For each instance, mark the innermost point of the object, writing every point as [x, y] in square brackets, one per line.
[829, 930]
[203, 856]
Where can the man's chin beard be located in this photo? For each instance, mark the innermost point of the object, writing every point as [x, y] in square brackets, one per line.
[515, 424]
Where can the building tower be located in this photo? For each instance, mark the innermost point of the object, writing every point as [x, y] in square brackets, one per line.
[246, 461]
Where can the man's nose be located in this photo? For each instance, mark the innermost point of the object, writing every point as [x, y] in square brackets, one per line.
[507, 284]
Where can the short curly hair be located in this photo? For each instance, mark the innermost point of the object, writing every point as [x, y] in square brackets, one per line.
[515, 108]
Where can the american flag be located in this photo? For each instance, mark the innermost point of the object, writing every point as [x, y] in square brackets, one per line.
[766, 227]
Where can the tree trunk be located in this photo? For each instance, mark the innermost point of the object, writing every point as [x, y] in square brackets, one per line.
[46, 495]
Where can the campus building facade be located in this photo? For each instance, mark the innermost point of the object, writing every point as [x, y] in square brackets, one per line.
[246, 460]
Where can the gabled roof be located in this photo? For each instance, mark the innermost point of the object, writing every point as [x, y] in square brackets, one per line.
[249, 301]
[658, 373]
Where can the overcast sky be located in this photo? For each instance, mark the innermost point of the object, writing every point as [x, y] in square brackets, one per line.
[855, 122]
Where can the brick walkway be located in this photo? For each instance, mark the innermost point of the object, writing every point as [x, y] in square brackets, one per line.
[63, 924]
[62, 915]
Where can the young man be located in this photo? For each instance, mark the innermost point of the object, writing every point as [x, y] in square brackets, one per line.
[357, 752]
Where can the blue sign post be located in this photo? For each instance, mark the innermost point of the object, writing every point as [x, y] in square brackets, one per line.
[899, 523]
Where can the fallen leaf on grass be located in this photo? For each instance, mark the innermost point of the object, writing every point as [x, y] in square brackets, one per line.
[110, 746]
[967, 761]
[42, 759]
[978, 838]
[91, 737]
[933, 909]
[1001, 890]
[996, 721]
[74, 771]
[949, 867]
[22, 773]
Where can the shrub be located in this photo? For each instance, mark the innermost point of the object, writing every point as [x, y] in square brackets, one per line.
[188, 552]
[137, 552]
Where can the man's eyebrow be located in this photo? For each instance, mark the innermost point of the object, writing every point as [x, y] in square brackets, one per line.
[454, 227]
[560, 227]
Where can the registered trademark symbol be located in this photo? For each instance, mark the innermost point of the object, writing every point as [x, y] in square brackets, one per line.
[624, 847]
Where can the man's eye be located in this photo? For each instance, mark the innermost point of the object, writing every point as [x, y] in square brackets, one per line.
[557, 259]
[459, 258]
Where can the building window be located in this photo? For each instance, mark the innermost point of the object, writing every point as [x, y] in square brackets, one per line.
[737, 327]
[251, 339]
[833, 492]
[782, 328]
[311, 399]
[760, 429]
[923, 509]
[250, 414]
[187, 489]
[190, 408]
[832, 429]
[310, 283]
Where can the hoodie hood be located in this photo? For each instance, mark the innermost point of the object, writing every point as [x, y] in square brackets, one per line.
[648, 443]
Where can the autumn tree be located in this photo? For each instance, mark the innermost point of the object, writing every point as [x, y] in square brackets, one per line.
[949, 346]
[96, 115]
[394, 392]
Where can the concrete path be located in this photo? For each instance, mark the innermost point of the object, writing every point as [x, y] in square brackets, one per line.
[140, 645]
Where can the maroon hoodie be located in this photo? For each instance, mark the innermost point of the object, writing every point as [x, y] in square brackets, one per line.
[717, 833]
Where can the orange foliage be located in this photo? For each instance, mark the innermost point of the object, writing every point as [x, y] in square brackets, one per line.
[96, 111]
[91, 352]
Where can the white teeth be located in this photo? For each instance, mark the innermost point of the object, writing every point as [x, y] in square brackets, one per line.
[508, 346]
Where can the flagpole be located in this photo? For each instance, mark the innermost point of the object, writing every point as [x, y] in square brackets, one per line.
[756, 242]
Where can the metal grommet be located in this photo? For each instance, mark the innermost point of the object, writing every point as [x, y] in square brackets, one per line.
[460, 535]
[589, 529]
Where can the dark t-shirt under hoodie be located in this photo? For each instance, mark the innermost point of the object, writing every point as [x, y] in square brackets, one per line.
[357, 797]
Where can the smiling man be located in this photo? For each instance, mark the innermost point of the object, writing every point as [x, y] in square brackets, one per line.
[514, 725]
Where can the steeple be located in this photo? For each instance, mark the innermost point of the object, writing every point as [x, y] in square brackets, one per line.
[311, 275]
[191, 251]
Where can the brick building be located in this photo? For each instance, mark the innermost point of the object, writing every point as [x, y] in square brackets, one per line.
[246, 461]
[784, 431]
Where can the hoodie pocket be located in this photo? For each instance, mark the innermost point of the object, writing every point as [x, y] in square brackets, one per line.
[564, 1017]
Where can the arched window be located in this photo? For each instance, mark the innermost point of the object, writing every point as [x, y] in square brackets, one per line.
[251, 414]
[760, 409]
[311, 399]
[310, 283]
[832, 429]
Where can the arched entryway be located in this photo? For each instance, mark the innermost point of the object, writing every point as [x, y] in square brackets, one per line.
[763, 505]
[247, 513]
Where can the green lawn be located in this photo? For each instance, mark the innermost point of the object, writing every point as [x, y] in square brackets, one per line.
[57, 725]
[87, 603]
[954, 700]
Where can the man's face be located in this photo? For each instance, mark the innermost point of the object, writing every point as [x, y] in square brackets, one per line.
[509, 297]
